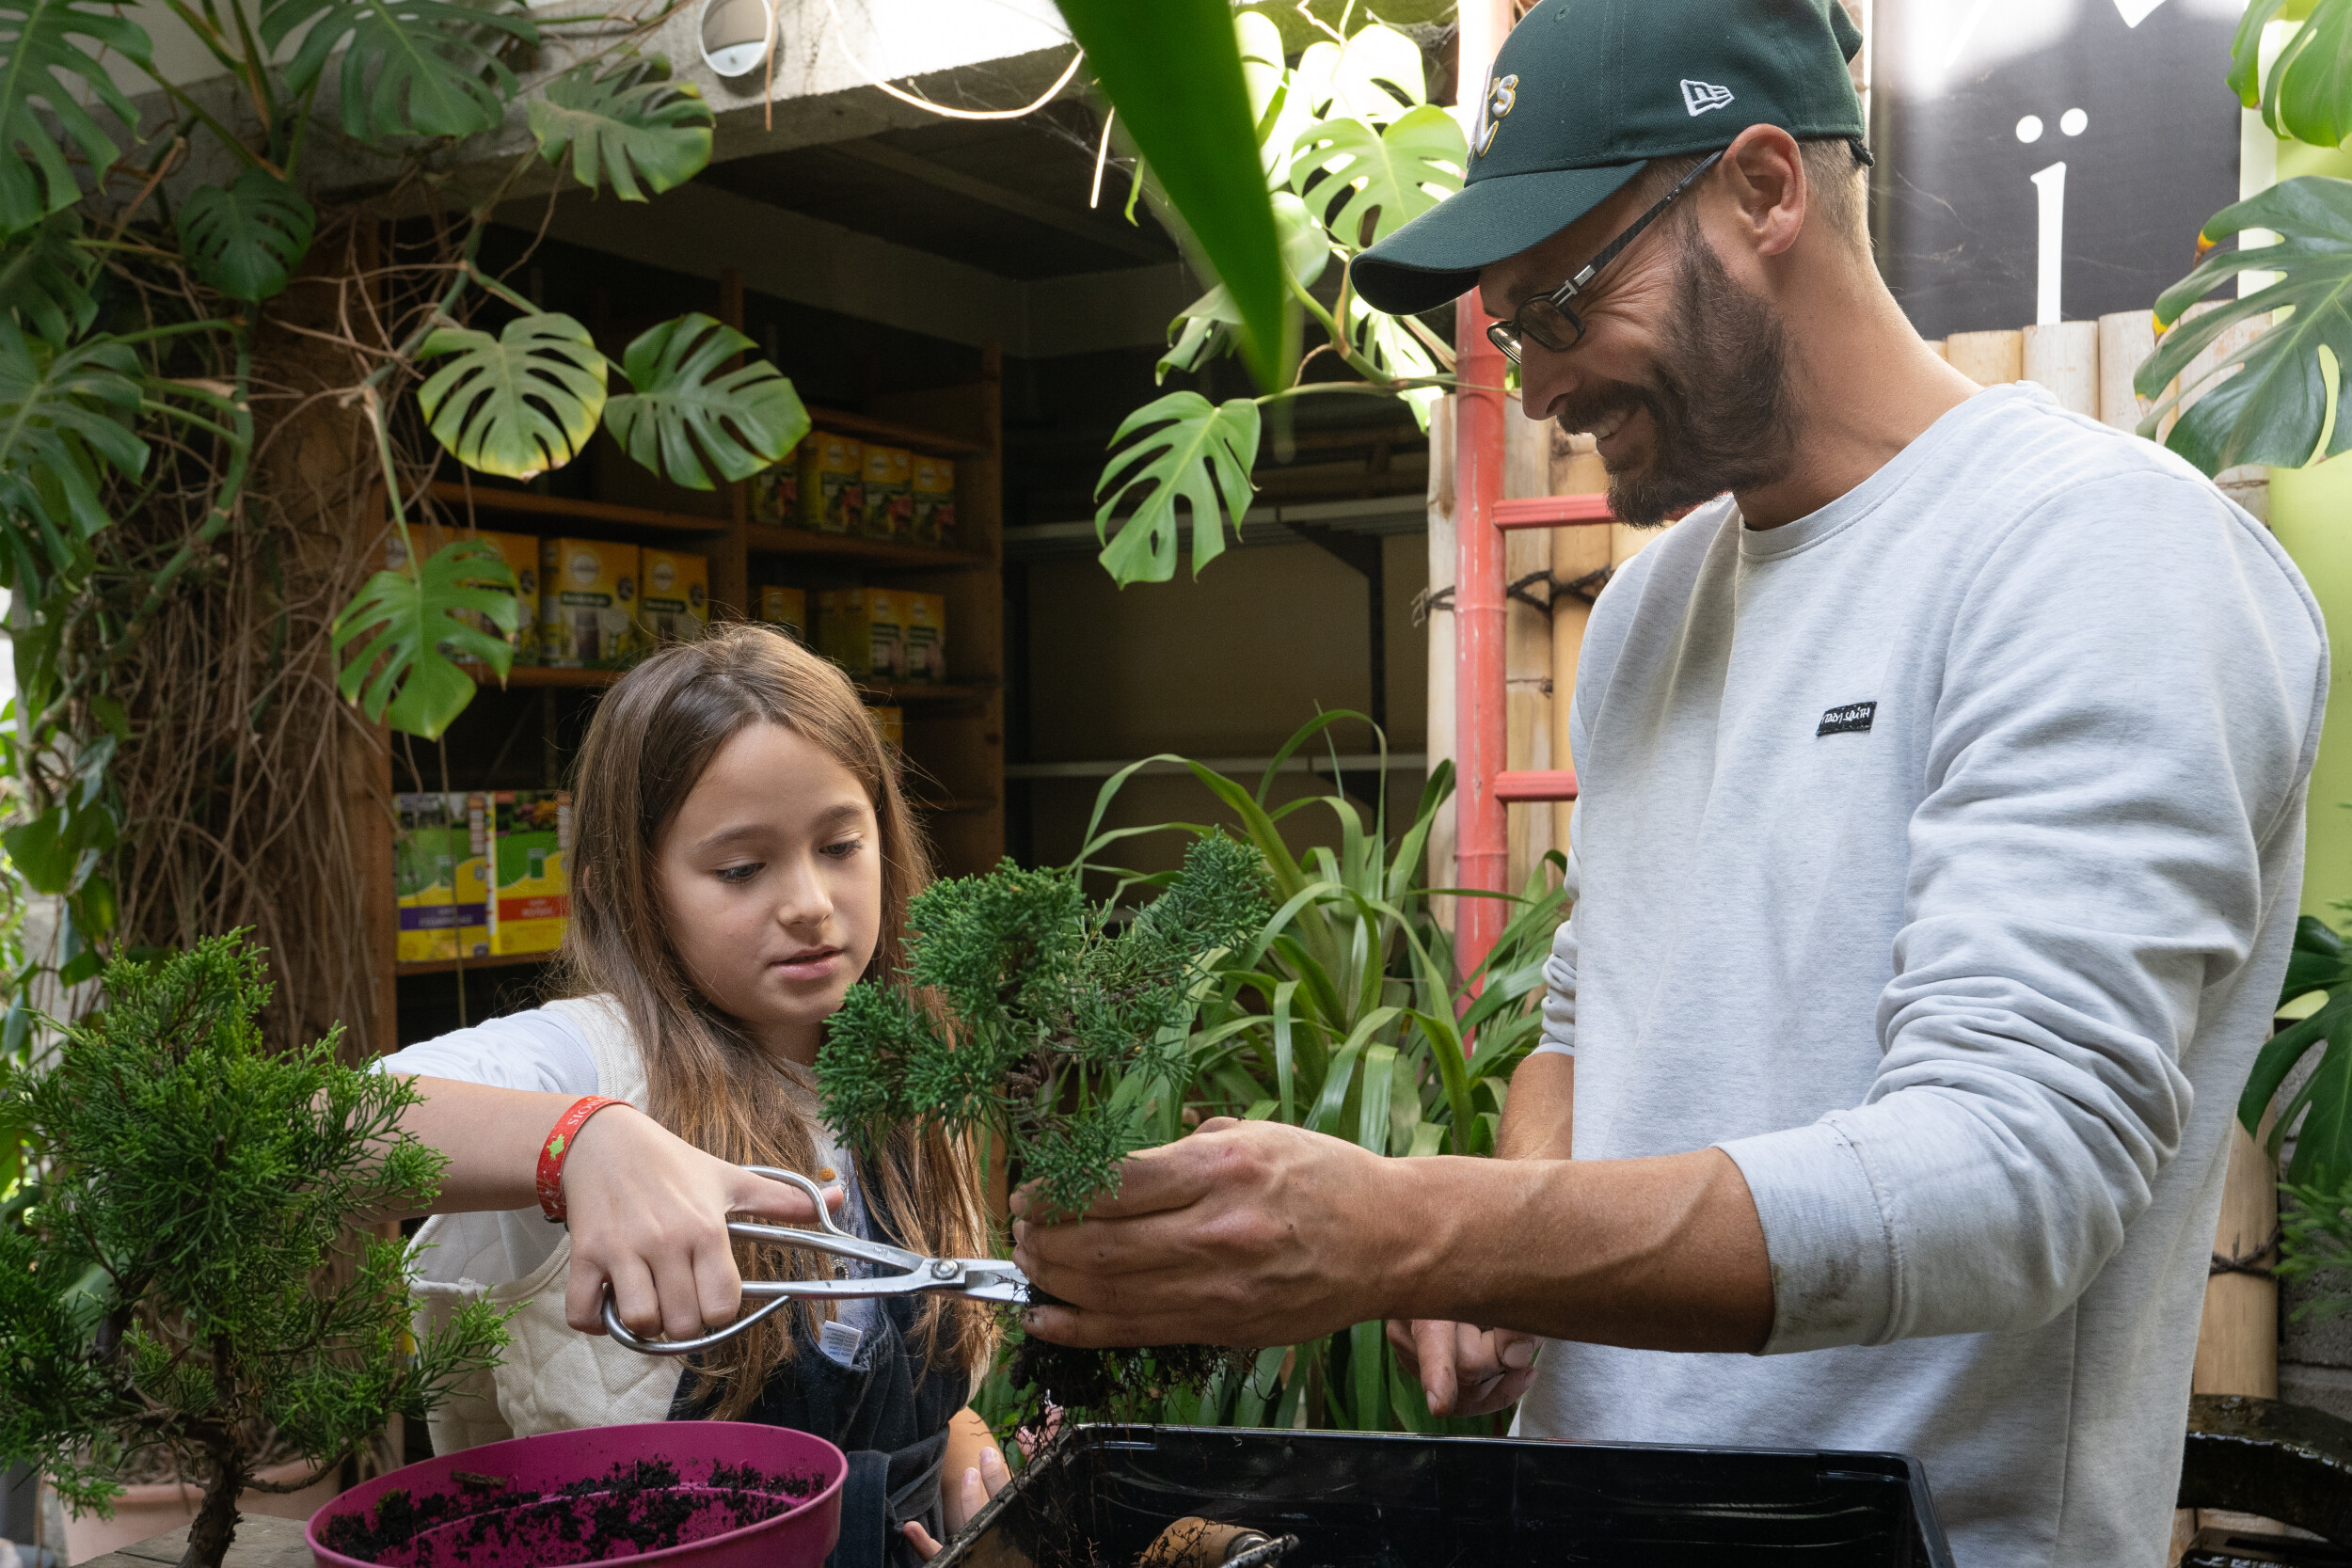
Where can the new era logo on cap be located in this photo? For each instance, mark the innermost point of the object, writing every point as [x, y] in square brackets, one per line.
[1699, 97]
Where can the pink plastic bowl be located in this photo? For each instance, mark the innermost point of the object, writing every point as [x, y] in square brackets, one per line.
[597, 1493]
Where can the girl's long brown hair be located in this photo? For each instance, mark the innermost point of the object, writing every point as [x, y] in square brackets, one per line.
[651, 737]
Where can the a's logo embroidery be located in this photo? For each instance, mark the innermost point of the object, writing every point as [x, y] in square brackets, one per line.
[1500, 101]
[1699, 97]
[1852, 719]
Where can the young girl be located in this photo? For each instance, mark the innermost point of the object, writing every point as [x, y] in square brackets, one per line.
[741, 854]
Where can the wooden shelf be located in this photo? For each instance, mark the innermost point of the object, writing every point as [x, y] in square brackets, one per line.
[912, 437]
[557, 509]
[495, 960]
[854, 550]
[535, 676]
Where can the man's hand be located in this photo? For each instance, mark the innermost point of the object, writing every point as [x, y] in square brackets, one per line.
[1465, 1370]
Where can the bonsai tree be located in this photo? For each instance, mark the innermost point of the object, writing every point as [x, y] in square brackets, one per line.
[178, 1271]
[1026, 1017]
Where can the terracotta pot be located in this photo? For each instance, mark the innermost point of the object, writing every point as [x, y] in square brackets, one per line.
[158, 1508]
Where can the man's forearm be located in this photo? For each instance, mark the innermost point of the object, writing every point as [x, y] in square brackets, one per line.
[1539, 1112]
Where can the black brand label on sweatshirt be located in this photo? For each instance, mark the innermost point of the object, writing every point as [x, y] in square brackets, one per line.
[1854, 717]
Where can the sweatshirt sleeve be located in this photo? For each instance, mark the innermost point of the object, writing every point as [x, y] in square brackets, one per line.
[2129, 708]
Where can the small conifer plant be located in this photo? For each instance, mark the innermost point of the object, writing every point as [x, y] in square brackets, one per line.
[1029, 1016]
[164, 1279]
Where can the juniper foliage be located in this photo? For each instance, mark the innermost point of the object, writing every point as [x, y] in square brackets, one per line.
[1024, 1013]
[164, 1279]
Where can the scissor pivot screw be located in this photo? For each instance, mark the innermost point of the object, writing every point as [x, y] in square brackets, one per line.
[943, 1269]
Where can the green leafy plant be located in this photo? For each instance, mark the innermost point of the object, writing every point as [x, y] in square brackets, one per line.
[161, 1268]
[2319, 1114]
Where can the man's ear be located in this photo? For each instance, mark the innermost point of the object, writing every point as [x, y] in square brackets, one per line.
[1764, 187]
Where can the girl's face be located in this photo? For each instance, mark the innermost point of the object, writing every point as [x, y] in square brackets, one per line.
[770, 873]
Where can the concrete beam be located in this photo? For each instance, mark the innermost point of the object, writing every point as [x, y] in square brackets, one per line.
[1102, 232]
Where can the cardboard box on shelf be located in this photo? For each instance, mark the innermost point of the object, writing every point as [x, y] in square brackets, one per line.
[891, 724]
[858, 629]
[519, 551]
[889, 493]
[923, 635]
[776, 493]
[832, 487]
[786, 608]
[470, 840]
[530, 842]
[931, 495]
[425, 868]
[673, 596]
[587, 603]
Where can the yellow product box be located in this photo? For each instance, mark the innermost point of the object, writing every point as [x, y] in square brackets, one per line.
[858, 629]
[923, 635]
[832, 489]
[425, 878]
[587, 603]
[931, 500]
[891, 724]
[469, 843]
[889, 492]
[673, 596]
[786, 608]
[777, 493]
[530, 844]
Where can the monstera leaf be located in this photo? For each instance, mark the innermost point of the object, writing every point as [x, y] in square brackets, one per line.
[1365, 182]
[518, 404]
[1375, 76]
[65, 419]
[46, 71]
[1189, 449]
[42, 278]
[246, 238]
[424, 67]
[408, 623]
[2274, 407]
[2309, 94]
[1205, 330]
[623, 122]
[690, 415]
[1390, 344]
[2323, 1143]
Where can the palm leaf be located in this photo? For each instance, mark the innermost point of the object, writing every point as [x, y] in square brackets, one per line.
[43, 279]
[1364, 181]
[422, 67]
[47, 76]
[2268, 403]
[65, 419]
[518, 404]
[247, 238]
[626, 122]
[1189, 449]
[688, 410]
[407, 624]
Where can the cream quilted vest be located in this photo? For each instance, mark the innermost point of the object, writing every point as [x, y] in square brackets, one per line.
[552, 1377]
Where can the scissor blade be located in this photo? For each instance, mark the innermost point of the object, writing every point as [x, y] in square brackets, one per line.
[993, 1279]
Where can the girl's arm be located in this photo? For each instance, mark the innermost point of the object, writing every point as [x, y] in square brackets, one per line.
[648, 1210]
[973, 1471]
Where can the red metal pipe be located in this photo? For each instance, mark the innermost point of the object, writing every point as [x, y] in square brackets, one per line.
[1482, 844]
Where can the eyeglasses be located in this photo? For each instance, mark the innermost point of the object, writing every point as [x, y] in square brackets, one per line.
[1546, 320]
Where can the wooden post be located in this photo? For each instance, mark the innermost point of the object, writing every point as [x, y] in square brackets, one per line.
[1576, 555]
[2125, 338]
[2237, 1340]
[1527, 638]
[1987, 358]
[1440, 610]
[2063, 358]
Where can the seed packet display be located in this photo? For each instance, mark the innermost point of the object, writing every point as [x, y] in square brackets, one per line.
[469, 842]
[673, 593]
[832, 484]
[786, 608]
[889, 495]
[858, 629]
[923, 635]
[777, 493]
[587, 603]
[931, 499]
[531, 840]
[424, 866]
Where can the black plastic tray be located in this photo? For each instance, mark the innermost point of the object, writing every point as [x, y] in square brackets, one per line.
[1102, 1494]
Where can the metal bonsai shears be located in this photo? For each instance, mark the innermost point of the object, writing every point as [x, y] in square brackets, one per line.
[910, 1273]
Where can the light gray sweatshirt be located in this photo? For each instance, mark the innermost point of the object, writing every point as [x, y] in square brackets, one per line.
[1938, 858]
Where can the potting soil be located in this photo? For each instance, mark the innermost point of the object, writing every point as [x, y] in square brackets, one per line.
[638, 1506]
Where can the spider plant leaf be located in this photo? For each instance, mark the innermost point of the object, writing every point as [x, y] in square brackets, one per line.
[48, 80]
[1372, 1110]
[1364, 181]
[626, 123]
[1187, 449]
[1368, 1376]
[65, 424]
[44, 279]
[2268, 402]
[518, 404]
[407, 625]
[690, 417]
[408, 68]
[247, 238]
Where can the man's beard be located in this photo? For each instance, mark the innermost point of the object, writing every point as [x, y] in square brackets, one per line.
[1721, 414]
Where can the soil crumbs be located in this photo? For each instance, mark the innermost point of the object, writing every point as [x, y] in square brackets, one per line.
[638, 1506]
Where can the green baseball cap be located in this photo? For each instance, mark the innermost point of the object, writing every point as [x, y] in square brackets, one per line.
[1585, 93]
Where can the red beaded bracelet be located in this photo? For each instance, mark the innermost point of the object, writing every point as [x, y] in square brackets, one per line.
[559, 1144]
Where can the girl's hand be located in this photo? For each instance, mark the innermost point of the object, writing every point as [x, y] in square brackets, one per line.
[648, 1215]
[961, 1501]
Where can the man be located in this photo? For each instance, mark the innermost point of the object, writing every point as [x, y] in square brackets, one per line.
[1936, 864]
